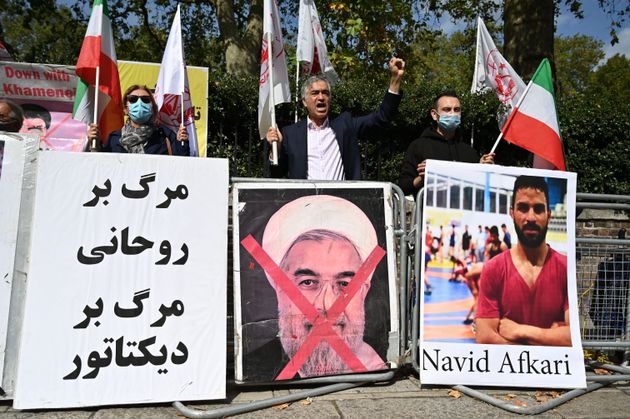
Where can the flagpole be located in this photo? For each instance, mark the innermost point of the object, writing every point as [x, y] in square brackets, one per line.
[98, 73]
[297, 96]
[183, 124]
[474, 89]
[272, 107]
[512, 114]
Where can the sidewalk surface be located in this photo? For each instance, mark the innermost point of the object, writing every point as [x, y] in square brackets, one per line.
[401, 398]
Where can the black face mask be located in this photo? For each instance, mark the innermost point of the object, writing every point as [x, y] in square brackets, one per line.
[10, 125]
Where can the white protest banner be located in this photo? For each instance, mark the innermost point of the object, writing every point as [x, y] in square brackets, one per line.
[504, 315]
[12, 155]
[126, 297]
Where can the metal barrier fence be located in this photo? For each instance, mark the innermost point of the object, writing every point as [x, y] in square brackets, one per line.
[603, 286]
[603, 278]
[340, 382]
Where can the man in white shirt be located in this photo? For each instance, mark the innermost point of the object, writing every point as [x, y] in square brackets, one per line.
[319, 148]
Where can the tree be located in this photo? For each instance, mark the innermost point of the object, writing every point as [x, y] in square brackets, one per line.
[32, 34]
[576, 58]
[609, 85]
[528, 28]
[241, 33]
[528, 25]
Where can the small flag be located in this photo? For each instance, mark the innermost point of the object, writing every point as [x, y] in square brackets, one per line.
[311, 48]
[281, 91]
[172, 84]
[533, 124]
[98, 51]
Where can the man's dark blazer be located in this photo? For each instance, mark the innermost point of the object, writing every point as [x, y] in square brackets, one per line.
[292, 155]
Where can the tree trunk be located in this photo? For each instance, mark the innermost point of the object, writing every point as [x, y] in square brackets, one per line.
[242, 48]
[528, 29]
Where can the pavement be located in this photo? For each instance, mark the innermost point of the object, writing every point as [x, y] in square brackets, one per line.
[400, 398]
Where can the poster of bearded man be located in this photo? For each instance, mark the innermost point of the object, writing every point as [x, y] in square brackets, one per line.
[314, 280]
[499, 314]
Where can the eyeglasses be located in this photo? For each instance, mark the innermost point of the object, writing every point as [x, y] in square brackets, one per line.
[134, 99]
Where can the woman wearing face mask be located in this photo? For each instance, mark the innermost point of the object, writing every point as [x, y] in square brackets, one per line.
[141, 134]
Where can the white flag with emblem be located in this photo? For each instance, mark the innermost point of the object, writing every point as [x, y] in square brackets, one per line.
[311, 48]
[492, 71]
[172, 85]
[281, 90]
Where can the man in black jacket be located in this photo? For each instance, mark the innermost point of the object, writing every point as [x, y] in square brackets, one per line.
[442, 142]
[319, 148]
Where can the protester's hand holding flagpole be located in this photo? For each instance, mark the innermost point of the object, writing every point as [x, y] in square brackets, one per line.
[272, 101]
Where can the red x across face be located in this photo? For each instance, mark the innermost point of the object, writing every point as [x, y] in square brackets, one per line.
[322, 322]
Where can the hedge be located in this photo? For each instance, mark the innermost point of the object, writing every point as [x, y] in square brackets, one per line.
[595, 134]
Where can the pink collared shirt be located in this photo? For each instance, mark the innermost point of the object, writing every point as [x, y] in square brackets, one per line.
[324, 158]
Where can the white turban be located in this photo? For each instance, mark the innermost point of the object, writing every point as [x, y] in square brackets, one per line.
[318, 212]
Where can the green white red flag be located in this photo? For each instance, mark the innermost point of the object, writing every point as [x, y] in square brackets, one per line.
[533, 124]
[97, 66]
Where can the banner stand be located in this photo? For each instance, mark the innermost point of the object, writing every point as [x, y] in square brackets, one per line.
[594, 382]
[339, 382]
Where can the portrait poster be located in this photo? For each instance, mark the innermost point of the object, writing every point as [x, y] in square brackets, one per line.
[500, 305]
[314, 280]
[12, 155]
[126, 294]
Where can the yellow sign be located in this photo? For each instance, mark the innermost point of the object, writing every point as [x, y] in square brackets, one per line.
[132, 72]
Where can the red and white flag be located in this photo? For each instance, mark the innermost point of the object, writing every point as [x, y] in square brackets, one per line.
[97, 66]
[492, 71]
[311, 48]
[172, 85]
[533, 124]
[281, 93]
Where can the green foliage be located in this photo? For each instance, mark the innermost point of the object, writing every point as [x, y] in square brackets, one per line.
[611, 81]
[575, 58]
[595, 135]
[48, 33]
[593, 102]
[594, 129]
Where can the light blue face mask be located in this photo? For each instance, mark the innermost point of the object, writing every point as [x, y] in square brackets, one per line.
[449, 122]
[140, 112]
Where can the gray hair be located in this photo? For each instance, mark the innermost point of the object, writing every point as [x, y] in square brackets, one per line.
[309, 82]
